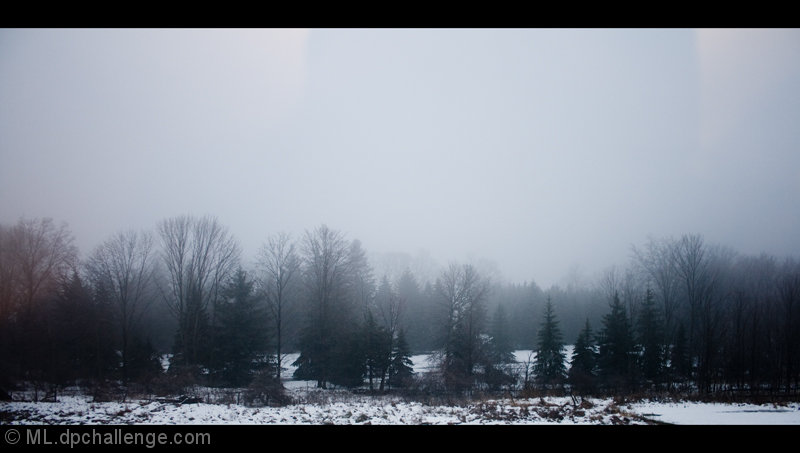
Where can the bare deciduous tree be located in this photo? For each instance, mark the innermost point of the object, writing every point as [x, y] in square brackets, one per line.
[788, 284]
[362, 280]
[624, 284]
[36, 257]
[702, 271]
[279, 267]
[690, 263]
[333, 270]
[122, 271]
[8, 273]
[656, 262]
[42, 254]
[389, 307]
[199, 255]
[462, 293]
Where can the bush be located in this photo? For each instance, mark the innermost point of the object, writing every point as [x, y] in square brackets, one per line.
[177, 380]
[497, 379]
[266, 390]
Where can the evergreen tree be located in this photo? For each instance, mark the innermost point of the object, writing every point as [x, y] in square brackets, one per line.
[335, 277]
[144, 361]
[349, 367]
[582, 371]
[651, 341]
[616, 348]
[192, 342]
[377, 350]
[680, 363]
[308, 367]
[462, 293]
[242, 341]
[419, 330]
[199, 256]
[501, 349]
[80, 342]
[401, 368]
[549, 365]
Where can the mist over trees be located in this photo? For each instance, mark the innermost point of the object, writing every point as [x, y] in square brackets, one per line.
[334, 286]
[199, 255]
[683, 315]
[279, 268]
[122, 272]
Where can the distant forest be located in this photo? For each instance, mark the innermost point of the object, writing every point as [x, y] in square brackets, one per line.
[682, 316]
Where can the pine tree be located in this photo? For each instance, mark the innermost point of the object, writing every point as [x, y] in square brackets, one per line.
[377, 350]
[462, 293]
[680, 364]
[144, 360]
[501, 350]
[242, 341]
[651, 341]
[336, 280]
[549, 365]
[80, 341]
[418, 319]
[583, 366]
[401, 368]
[616, 347]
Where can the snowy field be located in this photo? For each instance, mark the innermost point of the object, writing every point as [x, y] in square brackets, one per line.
[363, 410]
[692, 413]
[340, 407]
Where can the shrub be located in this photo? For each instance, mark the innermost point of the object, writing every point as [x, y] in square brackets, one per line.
[266, 390]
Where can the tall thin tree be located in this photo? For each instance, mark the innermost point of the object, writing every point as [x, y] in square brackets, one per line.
[462, 294]
[199, 255]
[122, 272]
[279, 266]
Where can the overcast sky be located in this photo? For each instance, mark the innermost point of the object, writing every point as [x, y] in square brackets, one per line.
[539, 150]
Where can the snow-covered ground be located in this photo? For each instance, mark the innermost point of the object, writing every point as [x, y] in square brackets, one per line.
[695, 413]
[343, 407]
[363, 410]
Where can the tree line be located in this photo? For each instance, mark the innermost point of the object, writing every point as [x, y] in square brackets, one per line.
[683, 315]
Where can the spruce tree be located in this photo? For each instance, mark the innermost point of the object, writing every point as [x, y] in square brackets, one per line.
[680, 363]
[349, 367]
[242, 341]
[337, 284]
[651, 361]
[377, 350]
[549, 365]
[501, 349]
[401, 368]
[463, 294]
[80, 342]
[616, 347]
[583, 366]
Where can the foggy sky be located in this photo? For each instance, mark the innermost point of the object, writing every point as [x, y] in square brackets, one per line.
[547, 152]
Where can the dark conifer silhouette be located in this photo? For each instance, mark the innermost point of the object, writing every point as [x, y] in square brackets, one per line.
[616, 349]
[242, 339]
[502, 351]
[549, 367]
[651, 339]
[401, 368]
[583, 365]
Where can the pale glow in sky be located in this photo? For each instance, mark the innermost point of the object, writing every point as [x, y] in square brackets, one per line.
[544, 151]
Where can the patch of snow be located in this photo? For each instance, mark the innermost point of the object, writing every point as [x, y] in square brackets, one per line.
[696, 413]
[422, 363]
[165, 360]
